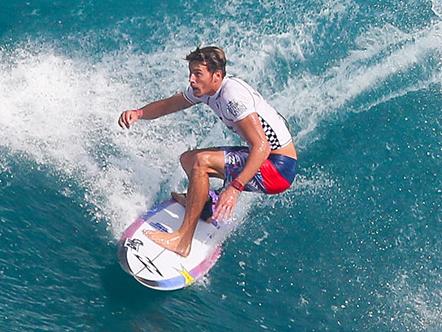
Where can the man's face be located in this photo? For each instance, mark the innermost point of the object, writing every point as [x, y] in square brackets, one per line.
[202, 81]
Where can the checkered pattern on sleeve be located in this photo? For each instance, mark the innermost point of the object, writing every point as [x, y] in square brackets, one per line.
[270, 134]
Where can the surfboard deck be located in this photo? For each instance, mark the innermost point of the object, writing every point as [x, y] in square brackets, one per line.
[159, 268]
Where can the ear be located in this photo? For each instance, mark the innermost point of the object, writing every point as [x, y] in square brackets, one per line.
[218, 76]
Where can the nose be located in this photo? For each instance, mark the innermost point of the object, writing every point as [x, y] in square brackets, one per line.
[191, 78]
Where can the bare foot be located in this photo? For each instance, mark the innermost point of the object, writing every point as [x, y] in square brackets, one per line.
[170, 241]
[179, 198]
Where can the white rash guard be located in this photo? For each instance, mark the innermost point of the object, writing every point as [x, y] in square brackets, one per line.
[235, 100]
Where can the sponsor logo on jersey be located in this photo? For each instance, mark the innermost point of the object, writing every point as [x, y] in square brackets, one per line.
[235, 108]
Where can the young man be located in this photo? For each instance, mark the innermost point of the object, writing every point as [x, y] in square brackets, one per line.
[267, 165]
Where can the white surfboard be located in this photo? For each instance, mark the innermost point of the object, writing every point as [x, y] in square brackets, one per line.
[159, 268]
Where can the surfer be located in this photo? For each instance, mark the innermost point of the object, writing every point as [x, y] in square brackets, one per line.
[266, 165]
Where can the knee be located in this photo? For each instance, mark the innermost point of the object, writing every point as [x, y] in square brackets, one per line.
[186, 160]
[194, 160]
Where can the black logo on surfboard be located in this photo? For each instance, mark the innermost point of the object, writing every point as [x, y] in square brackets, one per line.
[148, 264]
[134, 244]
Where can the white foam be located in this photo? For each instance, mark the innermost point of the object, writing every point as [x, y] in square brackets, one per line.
[381, 54]
[436, 6]
[63, 112]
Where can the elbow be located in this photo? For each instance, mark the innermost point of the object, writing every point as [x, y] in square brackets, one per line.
[267, 149]
[264, 149]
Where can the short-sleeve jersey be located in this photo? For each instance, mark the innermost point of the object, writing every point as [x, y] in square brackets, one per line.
[235, 100]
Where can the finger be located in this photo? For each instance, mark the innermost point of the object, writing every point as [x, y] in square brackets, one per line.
[217, 208]
[229, 209]
[121, 121]
[221, 213]
[228, 213]
[126, 119]
[218, 211]
[224, 213]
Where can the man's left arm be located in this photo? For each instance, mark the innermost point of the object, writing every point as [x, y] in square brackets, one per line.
[251, 130]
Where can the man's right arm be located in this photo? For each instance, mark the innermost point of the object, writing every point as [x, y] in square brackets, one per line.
[154, 110]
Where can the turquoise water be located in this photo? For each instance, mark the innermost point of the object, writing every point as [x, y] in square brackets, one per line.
[355, 245]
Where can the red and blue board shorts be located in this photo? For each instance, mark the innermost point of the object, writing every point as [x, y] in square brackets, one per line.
[274, 176]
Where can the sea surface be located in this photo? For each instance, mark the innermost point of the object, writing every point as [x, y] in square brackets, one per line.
[354, 245]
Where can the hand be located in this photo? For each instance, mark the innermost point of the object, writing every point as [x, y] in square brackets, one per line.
[226, 204]
[127, 118]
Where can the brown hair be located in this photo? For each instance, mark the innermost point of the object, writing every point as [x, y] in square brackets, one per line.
[213, 57]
